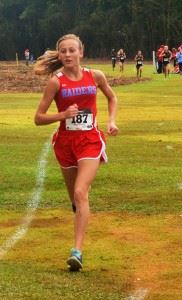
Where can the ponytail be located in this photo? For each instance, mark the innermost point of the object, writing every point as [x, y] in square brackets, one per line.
[47, 63]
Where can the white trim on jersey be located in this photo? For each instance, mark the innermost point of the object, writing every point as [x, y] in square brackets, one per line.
[86, 69]
[59, 74]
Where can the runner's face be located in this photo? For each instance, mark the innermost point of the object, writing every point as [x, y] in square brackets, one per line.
[70, 53]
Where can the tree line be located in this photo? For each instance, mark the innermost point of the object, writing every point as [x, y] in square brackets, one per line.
[101, 24]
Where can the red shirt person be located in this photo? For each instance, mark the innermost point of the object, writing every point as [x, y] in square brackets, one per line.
[160, 59]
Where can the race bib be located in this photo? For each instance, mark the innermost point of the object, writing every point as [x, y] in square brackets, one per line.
[83, 121]
[166, 59]
[139, 62]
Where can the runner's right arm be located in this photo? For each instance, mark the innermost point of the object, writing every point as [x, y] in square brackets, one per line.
[41, 116]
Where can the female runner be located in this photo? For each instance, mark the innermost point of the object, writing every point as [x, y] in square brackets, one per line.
[78, 143]
[121, 57]
[167, 55]
[139, 63]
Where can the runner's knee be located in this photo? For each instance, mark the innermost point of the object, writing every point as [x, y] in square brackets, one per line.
[80, 195]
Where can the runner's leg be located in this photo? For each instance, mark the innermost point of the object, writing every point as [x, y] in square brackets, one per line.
[137, 71]
[87, 169]
[140, 71]
[69, 178]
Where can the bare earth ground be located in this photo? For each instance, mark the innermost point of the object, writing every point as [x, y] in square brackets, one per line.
[21, 78]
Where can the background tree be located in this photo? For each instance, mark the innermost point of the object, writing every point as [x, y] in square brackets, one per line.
[101, 24]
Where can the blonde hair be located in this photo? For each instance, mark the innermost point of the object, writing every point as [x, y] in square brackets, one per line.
[69, 36]
[49, 61]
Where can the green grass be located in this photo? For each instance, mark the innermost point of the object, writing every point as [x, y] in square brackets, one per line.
[134, 231]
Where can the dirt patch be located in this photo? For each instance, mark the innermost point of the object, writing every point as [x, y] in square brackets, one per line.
[8, 224]
[21, 78]
[44, 222]
[125, 80]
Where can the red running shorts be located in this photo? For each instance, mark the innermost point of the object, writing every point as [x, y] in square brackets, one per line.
[70, 147]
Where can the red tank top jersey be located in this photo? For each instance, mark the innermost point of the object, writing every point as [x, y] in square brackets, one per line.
[82, 92]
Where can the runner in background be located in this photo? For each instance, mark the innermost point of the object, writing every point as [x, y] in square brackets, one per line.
[78, 143]
[167, 55]
[139, 63]
[121, 58]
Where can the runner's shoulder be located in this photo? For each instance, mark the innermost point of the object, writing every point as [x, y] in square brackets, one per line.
[98, 75]
[53, 83]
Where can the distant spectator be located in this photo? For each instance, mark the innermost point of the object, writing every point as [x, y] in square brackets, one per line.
[174, 58]
[179, 59]
[27, 56]
[31, 58]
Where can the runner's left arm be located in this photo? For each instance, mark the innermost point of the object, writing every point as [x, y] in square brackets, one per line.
[104, 86]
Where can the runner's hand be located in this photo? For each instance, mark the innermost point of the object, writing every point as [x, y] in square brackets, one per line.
[71, 111]
[112, 129]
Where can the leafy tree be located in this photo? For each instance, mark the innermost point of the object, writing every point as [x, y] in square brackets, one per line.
[101, 24]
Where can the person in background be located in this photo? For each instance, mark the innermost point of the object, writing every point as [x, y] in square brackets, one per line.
[32, 59]
[121, 57]
[174, 58]
[139, 63]
[167, 55]
[113, 58]
[179, 59]
[160, 59]
[27, 56]
[79, 145]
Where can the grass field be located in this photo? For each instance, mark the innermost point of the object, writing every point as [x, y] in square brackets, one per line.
[133, 243]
